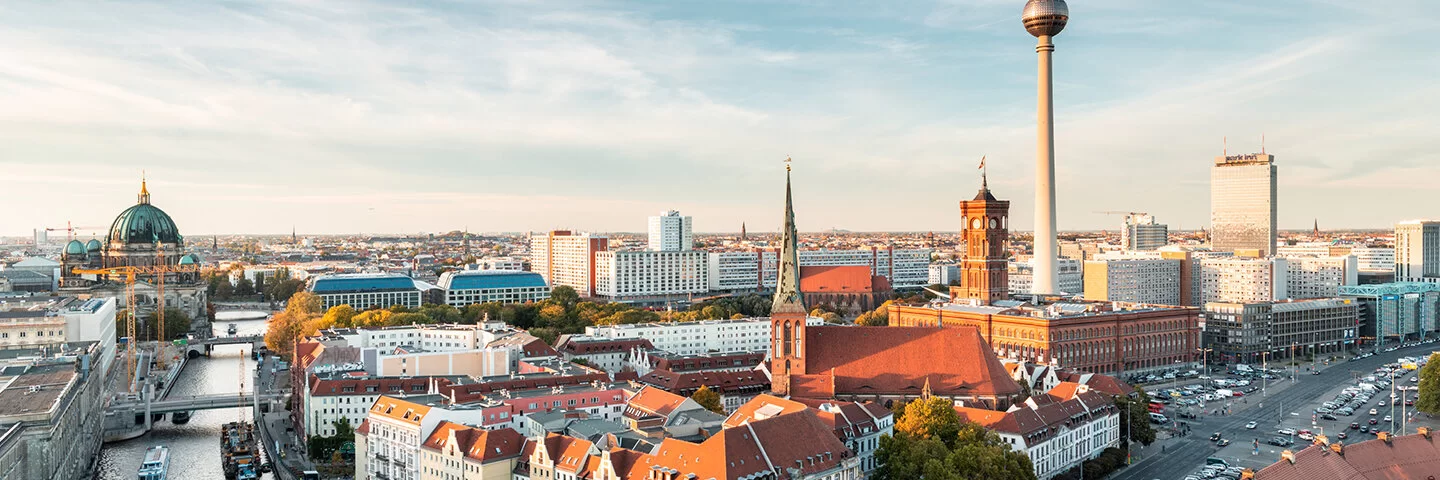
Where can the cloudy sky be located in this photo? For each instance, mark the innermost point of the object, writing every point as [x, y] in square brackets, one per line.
[340, 117]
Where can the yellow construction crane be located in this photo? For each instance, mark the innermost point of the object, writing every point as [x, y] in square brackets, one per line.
[129, 273]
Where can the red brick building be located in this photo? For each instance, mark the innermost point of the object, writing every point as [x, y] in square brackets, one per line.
[850, 288]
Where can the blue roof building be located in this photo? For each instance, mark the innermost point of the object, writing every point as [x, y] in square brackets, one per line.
[465, 287]
[364, 290]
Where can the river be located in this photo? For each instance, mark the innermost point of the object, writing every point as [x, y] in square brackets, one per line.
[194, 446]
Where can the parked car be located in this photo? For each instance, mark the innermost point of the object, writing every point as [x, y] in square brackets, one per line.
[1250, 426]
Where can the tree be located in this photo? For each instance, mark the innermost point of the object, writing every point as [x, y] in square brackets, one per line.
[565, 295]
[440, 313]
[245, 287]
[285, 288]
[709, 399]
[551, 315]
[967, 452]
[301, 317]
[339, 316]
[408, 318]
[932, 418]
[223, 288]
[1136, 425]
[1429, 400]
[305, 303]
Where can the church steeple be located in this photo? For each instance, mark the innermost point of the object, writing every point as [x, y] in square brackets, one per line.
[787, 286]
[144, 196]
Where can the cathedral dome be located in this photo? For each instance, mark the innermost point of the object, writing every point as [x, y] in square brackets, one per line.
[74, 248]
[92, 246]
[144, 224]
[190, 259]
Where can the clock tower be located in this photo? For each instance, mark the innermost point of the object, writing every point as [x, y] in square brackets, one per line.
[984, 272]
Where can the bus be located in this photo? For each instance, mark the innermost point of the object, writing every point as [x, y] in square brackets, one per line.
[1156, 407]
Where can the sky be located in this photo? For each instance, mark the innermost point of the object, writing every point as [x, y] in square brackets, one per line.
[507, 115]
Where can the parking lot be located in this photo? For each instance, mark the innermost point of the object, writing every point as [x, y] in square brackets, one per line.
[1294, 407]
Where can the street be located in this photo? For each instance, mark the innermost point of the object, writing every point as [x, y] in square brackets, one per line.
[1183, 455]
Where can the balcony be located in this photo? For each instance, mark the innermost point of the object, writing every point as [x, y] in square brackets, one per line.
[382, 457]
[382, 476]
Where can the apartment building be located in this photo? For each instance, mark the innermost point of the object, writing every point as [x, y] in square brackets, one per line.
[1065, 427]
[1417, 251]
[1071, 271]
[567, 258]
[1138, 280]
[695, 338]
[670, 232]
[756, 269]
[631, 275]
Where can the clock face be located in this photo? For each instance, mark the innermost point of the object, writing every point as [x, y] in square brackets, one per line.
[975, 223]
[992, 223]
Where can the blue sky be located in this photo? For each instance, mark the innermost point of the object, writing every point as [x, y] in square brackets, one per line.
[341, 117]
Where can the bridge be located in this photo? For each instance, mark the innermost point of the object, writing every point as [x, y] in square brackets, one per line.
[202, 346]
[195, 402]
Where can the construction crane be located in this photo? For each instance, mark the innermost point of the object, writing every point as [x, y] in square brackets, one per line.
[1116, 212]
[70, 230]
[129, 273]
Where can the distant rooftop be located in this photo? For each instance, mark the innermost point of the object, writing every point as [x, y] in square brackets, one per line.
[490, 279]
[362, 282]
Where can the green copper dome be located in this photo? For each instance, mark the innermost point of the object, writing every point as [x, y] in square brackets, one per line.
[74, 248]
[190, 259]
[92, 246]
[144, 224]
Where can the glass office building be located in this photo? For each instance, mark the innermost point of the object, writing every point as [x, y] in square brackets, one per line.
[1243, 203]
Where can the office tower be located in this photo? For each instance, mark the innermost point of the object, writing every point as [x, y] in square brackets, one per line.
[1141, 233]
[1045, 19]
[1070, 271]
[984, 271]
[1243, 203]
[670, 232]
[567, 258]
[1417, 251]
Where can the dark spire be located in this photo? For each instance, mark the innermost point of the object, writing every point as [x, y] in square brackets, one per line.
[787, 286]
[1317, 227]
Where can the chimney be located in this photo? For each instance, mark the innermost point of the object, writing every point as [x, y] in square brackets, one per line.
[1288, 455]
[1322, 440]
[1384, 437]
[1337, 448]
[1424, 431]
[1247, 474]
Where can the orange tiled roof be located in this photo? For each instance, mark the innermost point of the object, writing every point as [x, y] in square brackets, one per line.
[655, 401]
[397, 409]
[899, 360]
[477, 444]
[800, 441]
[836, 279]
[1404, 457]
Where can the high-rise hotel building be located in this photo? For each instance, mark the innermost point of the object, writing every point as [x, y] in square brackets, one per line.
[567, 258]
[670, 232]
[1243, 203]
[1417, 251]
[1142, 233]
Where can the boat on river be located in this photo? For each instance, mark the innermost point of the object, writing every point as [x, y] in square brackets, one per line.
[239, 454]
[156, 465]
[180, 418]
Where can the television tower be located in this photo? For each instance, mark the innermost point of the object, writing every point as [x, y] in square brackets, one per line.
[1045, 19]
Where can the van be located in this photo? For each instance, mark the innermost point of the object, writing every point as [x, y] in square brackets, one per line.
[1158, 418]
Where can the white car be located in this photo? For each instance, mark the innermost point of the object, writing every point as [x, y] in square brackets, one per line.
[1250, 426]
[1286, 431]
[1374, 412]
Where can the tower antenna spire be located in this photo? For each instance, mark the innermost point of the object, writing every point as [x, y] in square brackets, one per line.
[1262, 144]
[984, 183]
[1225, 146]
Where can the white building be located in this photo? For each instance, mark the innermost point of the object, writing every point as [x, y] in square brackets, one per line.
[1243, 280]
[634, 274]
[1372, 259]
[1255, 280]
[1141, 233]
[502, 263]
[1319, 277]
[695, 338]
[1417, 251]
[670, 232]
[397, 430]
[1243, 203]
[944, 274]
[41, 321]
[1072, 276]
[567, 258]
[1057, 436]
[465, 287]
[1137, 280]
[363, 290]
[756, 269]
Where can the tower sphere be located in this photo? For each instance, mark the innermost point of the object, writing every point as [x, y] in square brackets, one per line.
[1045, 17]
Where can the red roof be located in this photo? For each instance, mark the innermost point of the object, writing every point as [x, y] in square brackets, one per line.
[568, 453]
[306, 352]
[472, 391]
[364, 428]
[716, 361]
[1405, 457]
[848, 420]
[799, 441]
[1099, 382]
[1041, 419]
[684, 383]
[340, 387]
[481, 445]
[653, 401]
[571, 345]
[837, 279]
[853, 360]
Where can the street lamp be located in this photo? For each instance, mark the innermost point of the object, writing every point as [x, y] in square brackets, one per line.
[1204, 360]
[1264, 373]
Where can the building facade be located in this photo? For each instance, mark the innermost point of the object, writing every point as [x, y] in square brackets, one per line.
[670, 232]
[1243, 203]
[567, 258]
[1242, 332]
[466, 287]
[636, 275]
[1397, 312]
[1151, 281]
[696, 338]
[1057, 433]
[755, 270]
[1071, 271]
[1417, 251]
[1142, 233]
[365, 290]
[944, 275]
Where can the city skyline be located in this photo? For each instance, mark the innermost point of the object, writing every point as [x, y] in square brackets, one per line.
[600, 115]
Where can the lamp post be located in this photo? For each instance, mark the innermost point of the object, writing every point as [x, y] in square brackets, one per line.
[1264, 373]
[1204, 360]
